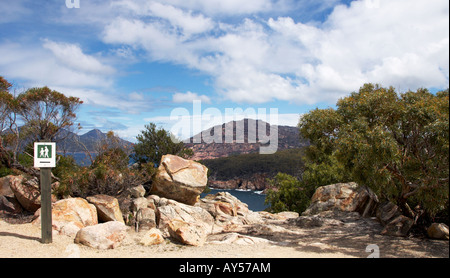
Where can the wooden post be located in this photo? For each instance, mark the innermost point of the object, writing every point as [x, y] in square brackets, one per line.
[46, 205]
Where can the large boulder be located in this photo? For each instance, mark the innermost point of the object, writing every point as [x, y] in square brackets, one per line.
[343, 197]
[104, 236]
[228, 210]
[70, 215]
[137, 191]
[5, 188]
[399, 226]
[188, 233]
[180, 179]
[387, 212]
[438, 231]
[145, 219]
[10, 204]
[28, 192]
[107, 208]
[395, 224]
[173, 210]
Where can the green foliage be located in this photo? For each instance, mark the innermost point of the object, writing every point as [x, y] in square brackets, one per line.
[45, 112]
[6, 109]
[287, 194]
[245, 165]
[153, 143]
[397, 144]
[108, 174]
[5, 171]
[42, 112]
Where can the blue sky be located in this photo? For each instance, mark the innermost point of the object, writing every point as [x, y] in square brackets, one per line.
[134, 61]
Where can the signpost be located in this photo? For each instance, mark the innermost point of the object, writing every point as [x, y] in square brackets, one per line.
[45, 159]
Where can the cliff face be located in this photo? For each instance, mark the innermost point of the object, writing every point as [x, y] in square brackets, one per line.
[257, 181]
[243, 141]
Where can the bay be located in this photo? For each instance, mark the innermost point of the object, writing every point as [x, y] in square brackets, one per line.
[253, 199]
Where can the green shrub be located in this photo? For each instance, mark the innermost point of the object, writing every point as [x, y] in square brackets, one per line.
[287, 194]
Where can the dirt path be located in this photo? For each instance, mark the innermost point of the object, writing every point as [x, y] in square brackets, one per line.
[23, 241]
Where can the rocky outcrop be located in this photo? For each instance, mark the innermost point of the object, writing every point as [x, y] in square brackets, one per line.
[104, 236]
[395, 224]
[438, 231]
[387, 212]
[187, 232]
[70, 215]
[257, 181]
[288, 138]
[152, 237]
[227, 211]
[5, 188]
[26, 192]
[137, 191]
[107, 208]
[10, 204]
[343, 197]
[399, 226]
[170, 210]
[180, 179]
[145, 219]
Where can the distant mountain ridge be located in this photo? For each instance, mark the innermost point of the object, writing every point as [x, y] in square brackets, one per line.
[288, 138]
[70, 142]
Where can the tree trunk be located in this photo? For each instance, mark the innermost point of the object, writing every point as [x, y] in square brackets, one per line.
[406, 209]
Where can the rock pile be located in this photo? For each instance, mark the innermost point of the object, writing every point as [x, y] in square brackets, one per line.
[180, 179]
[173, 210]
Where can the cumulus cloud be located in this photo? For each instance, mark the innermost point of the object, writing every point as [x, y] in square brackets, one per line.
[257, 61]
[71, 55]
[53, 64]
[252, 58]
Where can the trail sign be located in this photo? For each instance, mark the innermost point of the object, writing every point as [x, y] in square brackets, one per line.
[45, 159]
[44, 155]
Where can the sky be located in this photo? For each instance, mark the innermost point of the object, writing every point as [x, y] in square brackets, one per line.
[133, 62]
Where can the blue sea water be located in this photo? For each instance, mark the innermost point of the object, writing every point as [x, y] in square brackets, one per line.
[253, 199]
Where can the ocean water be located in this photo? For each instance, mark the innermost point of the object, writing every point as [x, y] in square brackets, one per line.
[254, 199]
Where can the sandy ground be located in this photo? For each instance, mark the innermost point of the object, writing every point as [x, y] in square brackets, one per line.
[23, 241]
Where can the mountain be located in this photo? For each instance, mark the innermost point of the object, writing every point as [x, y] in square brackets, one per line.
[238, 164]
[70, 142]
[243, 141]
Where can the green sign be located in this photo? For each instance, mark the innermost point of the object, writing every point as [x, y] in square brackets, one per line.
[44, 155]
[44, 151]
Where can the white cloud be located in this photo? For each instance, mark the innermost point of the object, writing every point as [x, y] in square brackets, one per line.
[257, 61]
[72, 56]
[190, 24]
[189, 97]
[39, 66]
[229, 7]
[66, 68]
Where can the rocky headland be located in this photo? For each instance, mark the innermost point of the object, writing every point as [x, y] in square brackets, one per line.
[343, 220]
